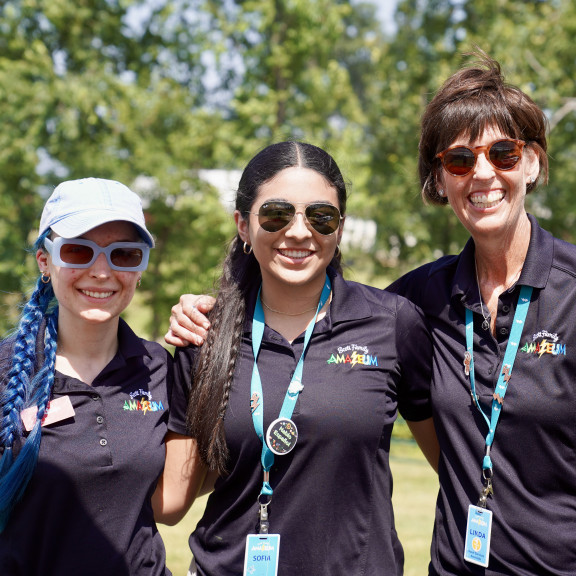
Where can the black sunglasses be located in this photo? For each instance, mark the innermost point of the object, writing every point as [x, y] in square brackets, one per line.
[275, 215]
[503, 154]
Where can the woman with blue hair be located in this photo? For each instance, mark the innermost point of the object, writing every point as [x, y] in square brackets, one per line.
[83, 400]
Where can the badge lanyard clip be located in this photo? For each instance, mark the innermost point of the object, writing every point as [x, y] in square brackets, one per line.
[263, 501]
[501, 385]
[292, 393]
[488, 490]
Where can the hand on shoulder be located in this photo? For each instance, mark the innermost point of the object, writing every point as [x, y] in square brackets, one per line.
[188, 321]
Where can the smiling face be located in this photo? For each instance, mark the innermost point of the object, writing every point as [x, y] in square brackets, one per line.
[297, 255]
[96, 294]
[489, 201]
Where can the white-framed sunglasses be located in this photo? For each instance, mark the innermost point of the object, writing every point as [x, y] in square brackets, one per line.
[80, 253]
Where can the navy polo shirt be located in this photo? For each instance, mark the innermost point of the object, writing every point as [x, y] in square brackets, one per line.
[369, 357]
[87, 509]
[534, 450]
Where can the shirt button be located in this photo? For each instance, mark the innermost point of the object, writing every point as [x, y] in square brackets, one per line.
[505, 308]
[503, 331]
[103, 442]
[95, 397]
[99, 419]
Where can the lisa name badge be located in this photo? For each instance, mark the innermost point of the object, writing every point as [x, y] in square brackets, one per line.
[261, 557]
[478, 531]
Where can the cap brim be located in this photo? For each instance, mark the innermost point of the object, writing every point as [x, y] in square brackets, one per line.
[77, 224]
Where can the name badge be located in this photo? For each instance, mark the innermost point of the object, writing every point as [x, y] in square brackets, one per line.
[57, 409]
[261, 556]
[478, 532]
[282, 436]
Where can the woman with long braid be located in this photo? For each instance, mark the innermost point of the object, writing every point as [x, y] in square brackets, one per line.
[294, 395]
[83, 400]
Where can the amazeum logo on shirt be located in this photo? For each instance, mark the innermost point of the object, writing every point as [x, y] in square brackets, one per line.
[544, 342]
[354, 355]
[142, 400]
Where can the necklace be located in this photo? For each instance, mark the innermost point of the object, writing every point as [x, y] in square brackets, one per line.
[289, 313]
[486, 323]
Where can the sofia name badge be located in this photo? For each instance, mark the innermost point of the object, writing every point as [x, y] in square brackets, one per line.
[261, 557]
[478, 531]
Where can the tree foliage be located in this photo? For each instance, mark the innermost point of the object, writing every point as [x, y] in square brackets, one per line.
[149, 92]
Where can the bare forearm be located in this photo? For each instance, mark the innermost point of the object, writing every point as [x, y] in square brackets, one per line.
[425, 435]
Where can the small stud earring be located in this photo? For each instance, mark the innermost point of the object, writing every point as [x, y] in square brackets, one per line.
[441, 192]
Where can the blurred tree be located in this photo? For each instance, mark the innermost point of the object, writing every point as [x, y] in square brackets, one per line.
[149, 92]
[92, 88]
[287, 66]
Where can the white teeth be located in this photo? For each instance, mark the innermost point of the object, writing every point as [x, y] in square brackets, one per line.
[487, 200]
[97, 294]
[295, 253]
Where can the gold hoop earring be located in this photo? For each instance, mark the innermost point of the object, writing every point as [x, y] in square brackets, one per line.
[45, 277]
[139, 282]
[249, 251]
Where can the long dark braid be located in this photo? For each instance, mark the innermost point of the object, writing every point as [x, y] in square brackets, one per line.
[213, 373]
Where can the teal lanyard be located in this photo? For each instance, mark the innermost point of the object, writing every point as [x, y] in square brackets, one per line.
[294, 388]
[502, 384]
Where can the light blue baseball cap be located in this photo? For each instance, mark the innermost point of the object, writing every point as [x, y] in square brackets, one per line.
[77, 206]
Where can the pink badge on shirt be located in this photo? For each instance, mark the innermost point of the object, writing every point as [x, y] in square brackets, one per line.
[57, 409]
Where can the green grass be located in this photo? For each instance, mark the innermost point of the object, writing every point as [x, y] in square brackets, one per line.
[415, 490]
[415, 487]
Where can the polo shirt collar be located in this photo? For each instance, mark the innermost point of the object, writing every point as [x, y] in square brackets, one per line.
[129, 344]
[346, 305]
[535, 271]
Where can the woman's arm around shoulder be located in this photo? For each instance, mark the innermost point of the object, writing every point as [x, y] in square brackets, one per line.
[425, 435]
[188, 321]
[414, 345]
[184, 478]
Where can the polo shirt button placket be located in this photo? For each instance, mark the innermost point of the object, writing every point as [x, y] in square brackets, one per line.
[103, 442]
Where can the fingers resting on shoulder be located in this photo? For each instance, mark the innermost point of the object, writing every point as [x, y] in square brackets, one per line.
[188, 323]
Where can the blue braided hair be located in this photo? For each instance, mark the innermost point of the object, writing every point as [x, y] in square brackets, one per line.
[26, 385]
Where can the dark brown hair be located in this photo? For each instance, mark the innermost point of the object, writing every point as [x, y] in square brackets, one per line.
[470, 101]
